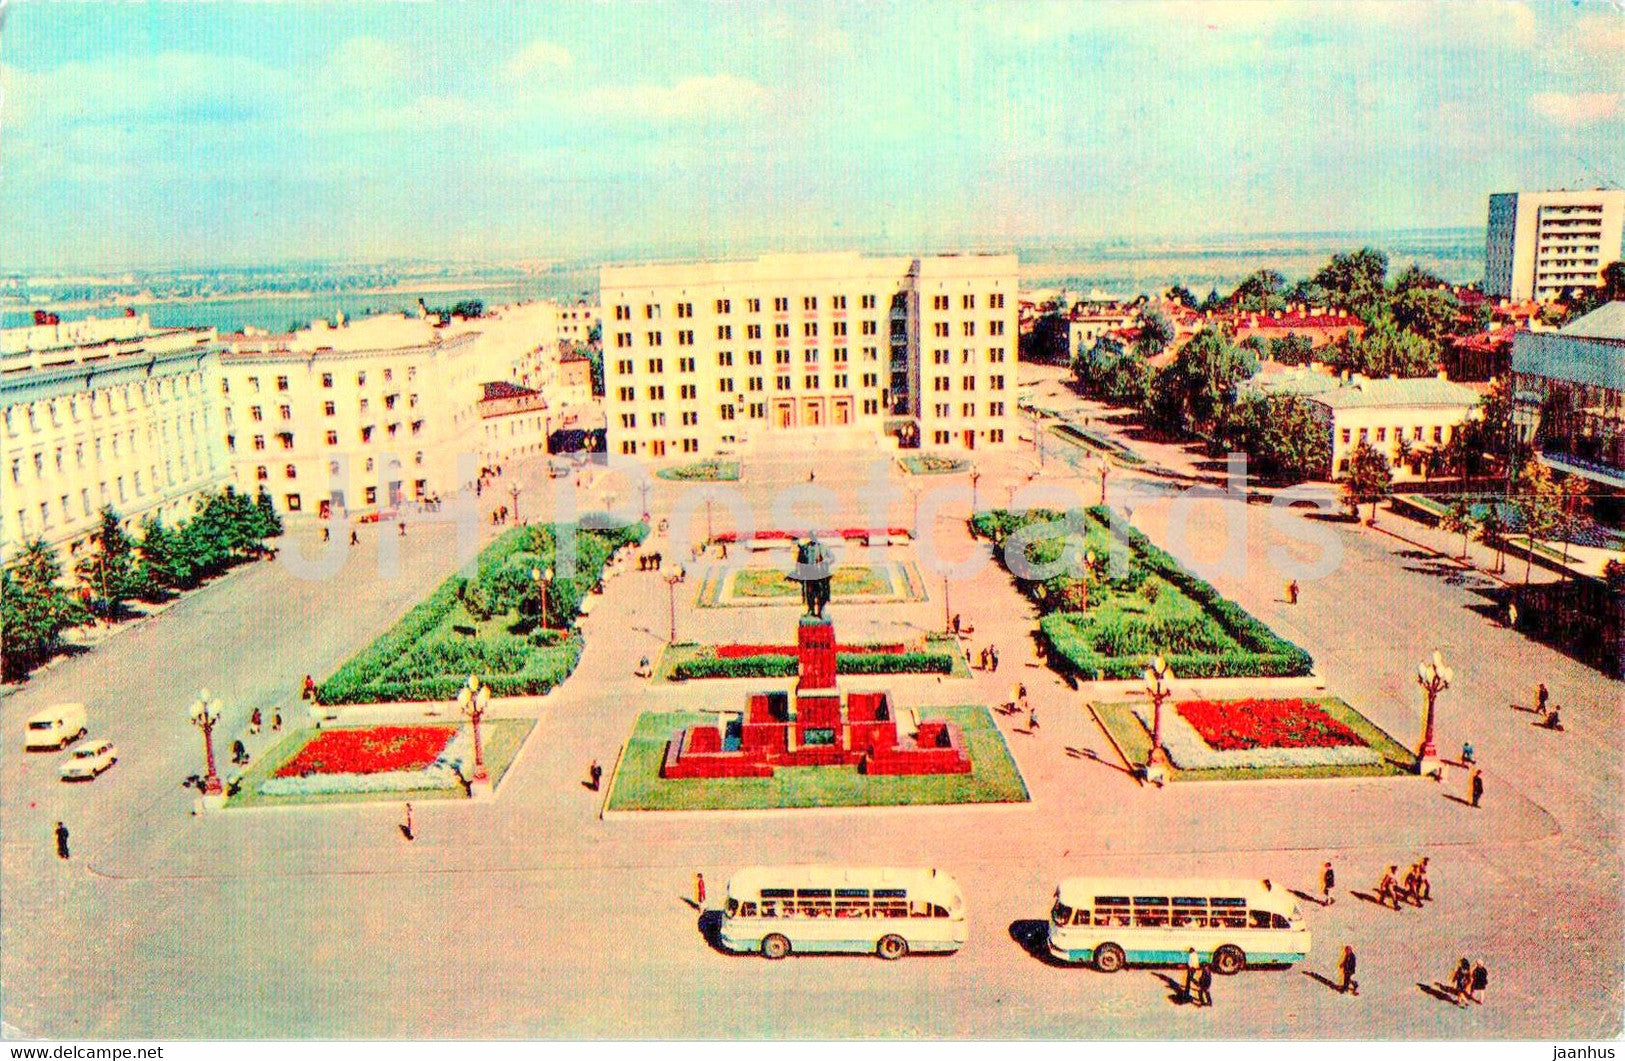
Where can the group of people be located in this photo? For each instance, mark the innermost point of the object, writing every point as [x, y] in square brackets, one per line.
[988, 658]
[1413, 890]
[1544, 707]
[499, 515]
[1468, 982]
[649, 561]
[1198, 988]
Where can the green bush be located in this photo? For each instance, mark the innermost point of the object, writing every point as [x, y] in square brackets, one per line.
[784, 666]
[764, 666]
[894, 663]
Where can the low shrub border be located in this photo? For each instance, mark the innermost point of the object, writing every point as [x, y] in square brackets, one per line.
[784, 666]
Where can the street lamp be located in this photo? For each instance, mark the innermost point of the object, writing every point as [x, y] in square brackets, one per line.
[1157, 678]
[1105, 470]
[472, 700]
[974, 478]
[643, 487]
[1434, 678]
[1038, 435]
[672, 576]
[914, 495]
[205, 713]
[513, 492]
[947, 606]
[544, 584]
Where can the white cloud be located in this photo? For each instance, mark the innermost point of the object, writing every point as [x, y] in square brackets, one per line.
[539, 59]
[1574, 109]
[692, 98]
[368, 64]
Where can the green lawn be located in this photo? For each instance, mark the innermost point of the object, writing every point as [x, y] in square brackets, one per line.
[703, 472]
[1131, 736]
[931, 464]
[848, 580]
[501, 739]
[639, 786]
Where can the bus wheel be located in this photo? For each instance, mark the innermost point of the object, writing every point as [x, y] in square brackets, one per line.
[1109, 958]
[892, 947]
[1229, 960]
[775, 947]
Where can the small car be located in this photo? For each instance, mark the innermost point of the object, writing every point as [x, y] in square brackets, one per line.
[89, 762]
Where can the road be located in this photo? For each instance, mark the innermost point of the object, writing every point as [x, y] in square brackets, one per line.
[532, 916]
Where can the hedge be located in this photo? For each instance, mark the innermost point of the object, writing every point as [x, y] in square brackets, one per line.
[784, 666]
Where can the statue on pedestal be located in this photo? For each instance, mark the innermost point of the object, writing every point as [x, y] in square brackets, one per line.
[812, 570]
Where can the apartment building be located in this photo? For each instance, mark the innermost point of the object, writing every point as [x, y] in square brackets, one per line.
[1570, 392]
[107, 411]
[705, 357]
[1539, 245]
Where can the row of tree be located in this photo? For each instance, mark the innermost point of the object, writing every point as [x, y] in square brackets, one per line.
[36, 607]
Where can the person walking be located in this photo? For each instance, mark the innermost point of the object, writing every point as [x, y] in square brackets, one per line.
[276, 720]
[1480, 980]
[327, 533]
[354, 538]
[1388, 888]
[1467, 751]
[1032, 720]
[993, 652]
[1328, 881]
[596, 773]
[1478, 786]
[1543, 697]
[1292, 592]
[699, 891]
[402, 526]
[1422, 889]
[1345, 967]
[309, 691]
[254, 721]
[1021, 695]
[1512, 616]
[61, 841]
[1204, 986]
[1193, 966]
[1461, 981]
[406, 826]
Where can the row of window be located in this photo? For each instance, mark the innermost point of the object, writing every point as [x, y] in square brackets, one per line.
[98, 403]
[839, 381]
[142, 486]
[332, 438]
[967, 410]
[154, 432]
[295, 503]
[724, 306]
[655, 365]
[257, 414]
[782, 908]
[1440, 434]
[753, 411]
[282, 383]
[291, 471]
[995, 435]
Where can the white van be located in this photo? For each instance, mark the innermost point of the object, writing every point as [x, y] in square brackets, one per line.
[56, 727]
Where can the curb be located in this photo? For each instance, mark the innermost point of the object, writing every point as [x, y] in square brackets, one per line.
[1132, 769]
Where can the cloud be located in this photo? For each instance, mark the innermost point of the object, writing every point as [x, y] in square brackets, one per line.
[539, 59]
[692, 98]
[1574, 109]
[369, 64]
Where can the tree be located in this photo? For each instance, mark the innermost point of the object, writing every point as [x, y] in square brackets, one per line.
[111, 571]
[1459, 519]
[1386, 350]
[1369, 480]
[1280, 434]
[34, 609]
[1356, 282]
[1492, 531]
[1262, 292]
[1539, 504]
[1574, 504]
[1201, 380]
[1413, 276]
[468, 309]
[1427, 312]
[1611, 289]
[1213, 302]
[1156, 332]
[1182, 294]
[1292, 349]
[595, 366]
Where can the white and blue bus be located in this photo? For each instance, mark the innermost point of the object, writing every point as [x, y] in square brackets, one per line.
[781, 910]
[1232, 924]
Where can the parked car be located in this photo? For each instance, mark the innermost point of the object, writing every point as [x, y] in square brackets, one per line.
[56, 727]
[88, 762]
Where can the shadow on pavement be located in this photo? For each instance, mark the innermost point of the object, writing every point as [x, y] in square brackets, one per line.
[1334, 985]
[1033, 936]
[710, 925]
[1176, 989]
[1438, 991]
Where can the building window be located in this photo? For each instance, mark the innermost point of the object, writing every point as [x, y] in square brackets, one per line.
[332, 438]
[370, 496]
[259, 441]
[282, 383]
[724, 306]
[261, 473]
[290, 472]
[327, 380]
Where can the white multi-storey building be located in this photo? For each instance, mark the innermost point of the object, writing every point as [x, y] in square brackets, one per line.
[1540, 245]
[701, 357]
[104, 412]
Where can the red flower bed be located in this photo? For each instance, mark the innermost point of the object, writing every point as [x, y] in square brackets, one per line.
[377, 750]
[736, 651]
[844, 532]
[1238, 725]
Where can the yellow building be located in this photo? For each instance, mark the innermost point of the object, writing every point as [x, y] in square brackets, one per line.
[703, 358]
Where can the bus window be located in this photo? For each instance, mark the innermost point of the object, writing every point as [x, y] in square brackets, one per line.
[938, 911]
[919, 910]
[1277, 921]
[1061, 914]
[747, 909]
[851, 908]
[770, 908]
[1081, 917]
[1259, 919]
[891, 908]
[733, 907]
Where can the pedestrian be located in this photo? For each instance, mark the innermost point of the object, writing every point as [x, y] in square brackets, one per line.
[276, 720]
[354, 539]
[1204, 985]
[254, 721]
[1512, 616]
[1328, 881]
[406, 826]
[1193, 966]
[1413, 888]
[1345, 966]
[1388, 888]
[595, 772]
[402, 526]
[1467, 753]
[993, 652]
[956, 624]
[1021, 694]
[699, 890]
[1478, 786]
[1461, 981]
[981, 660]
[309, 690]
[1032, 719]
[239, 753]
[1542, 697]
[1292, 591]
[1480, 980]
[61, 841]
[1422, 889]
[327, 533]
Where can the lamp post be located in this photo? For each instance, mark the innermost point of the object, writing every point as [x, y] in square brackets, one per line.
[672, 577]
[708, 534]
[975, 477]
[513, 492]
[914, 495]
[205, 713]
[643, 487]
[1105, 470]
[1157, 677]
[544, 584]
[472, 700]
[1038, 434]
[947, 606]
[1434, 678]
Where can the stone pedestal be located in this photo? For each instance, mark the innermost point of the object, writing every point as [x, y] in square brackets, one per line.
[815, 645]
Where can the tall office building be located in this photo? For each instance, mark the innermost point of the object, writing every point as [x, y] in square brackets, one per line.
[702, 357]
[1539, 245]
[104, 411]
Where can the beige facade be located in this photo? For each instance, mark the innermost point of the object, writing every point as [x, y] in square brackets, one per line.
[104, 412]
[1539, 245]
[702, 358]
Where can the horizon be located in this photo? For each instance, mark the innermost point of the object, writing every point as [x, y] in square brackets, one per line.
[148, 137]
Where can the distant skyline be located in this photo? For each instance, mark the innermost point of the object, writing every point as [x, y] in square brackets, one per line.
[148, 135]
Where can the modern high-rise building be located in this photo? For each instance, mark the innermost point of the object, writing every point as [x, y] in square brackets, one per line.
[1540, 245]
[104, 412]
[702, 357]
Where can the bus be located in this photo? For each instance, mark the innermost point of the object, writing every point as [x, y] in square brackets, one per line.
[781, 910]
[1232, 923]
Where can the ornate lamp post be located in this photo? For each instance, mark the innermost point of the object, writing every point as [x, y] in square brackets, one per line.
[544, 585]
[513, 492]
[1157, 678]
[1105, 470]
[672, 577]
[1434, 678]
[975, 477]
[205, 713]
[472, 700]
[947, 606]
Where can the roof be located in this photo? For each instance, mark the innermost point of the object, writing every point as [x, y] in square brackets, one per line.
[502, 389]
[1081, 891]
[1380, 393]
[1604, 322]
[751, 879]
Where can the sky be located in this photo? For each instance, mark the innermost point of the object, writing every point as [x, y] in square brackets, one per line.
[149, 134]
